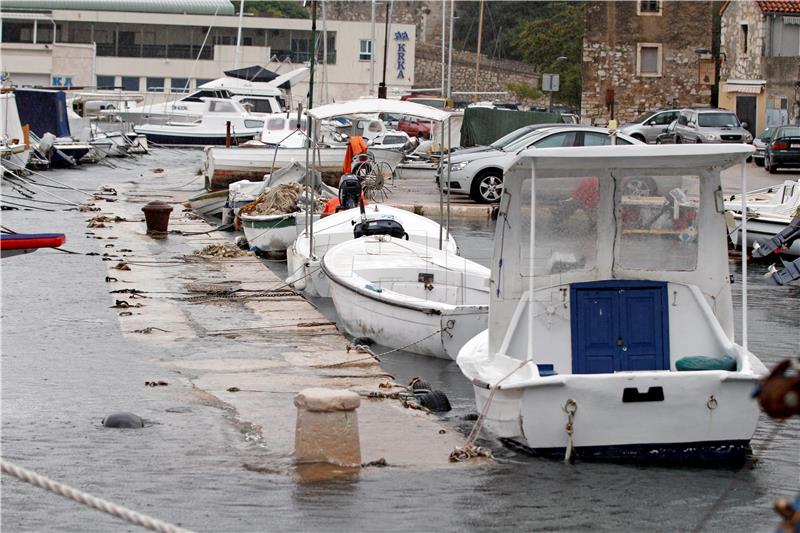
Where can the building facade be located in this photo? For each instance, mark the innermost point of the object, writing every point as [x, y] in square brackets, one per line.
[173, 52]
[760, 61]
[643, 55]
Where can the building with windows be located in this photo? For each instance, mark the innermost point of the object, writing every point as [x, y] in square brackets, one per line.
[760, 62]
[176, 45]
[643, 55]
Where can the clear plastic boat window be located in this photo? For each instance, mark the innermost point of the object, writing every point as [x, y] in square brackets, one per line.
[657, 222]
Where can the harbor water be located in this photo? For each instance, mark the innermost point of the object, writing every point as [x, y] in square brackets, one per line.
[66, 365]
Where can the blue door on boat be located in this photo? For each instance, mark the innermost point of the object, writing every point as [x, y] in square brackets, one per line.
[619, 325]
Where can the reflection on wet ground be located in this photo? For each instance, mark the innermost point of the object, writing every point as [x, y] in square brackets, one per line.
[65, 366]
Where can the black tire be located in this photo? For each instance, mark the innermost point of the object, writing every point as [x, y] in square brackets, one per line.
[759, 161]
[658, 141]
[769, 166]
[419, 384]
[487, 187]
[678, 139]
[639, 137]
[435, 401]
[639, 186]
[698, 141]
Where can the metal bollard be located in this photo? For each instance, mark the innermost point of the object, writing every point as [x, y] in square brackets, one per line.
[327, 427]
[156, 216]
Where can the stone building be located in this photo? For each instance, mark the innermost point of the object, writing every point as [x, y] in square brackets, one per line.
[760, 61]
[645, 54]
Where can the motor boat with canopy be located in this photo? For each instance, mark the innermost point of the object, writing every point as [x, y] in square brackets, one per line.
[611, 326]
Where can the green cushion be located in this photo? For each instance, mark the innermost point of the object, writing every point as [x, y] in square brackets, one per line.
[702, 362]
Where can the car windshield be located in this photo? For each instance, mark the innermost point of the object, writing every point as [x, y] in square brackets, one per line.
[764, 135]
[788, 132]
[510, 137]
[717, 120]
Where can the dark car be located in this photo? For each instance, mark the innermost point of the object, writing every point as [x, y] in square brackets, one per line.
[783, 150]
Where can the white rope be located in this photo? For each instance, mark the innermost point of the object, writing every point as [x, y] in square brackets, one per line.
[87, 499]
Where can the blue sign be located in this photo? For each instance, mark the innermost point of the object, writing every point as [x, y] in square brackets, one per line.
[62, 81]
[401, 36]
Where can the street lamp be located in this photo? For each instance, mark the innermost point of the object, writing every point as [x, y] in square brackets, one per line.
[554, 81]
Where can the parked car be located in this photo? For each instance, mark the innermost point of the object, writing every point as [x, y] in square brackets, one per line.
[649, 126]
[710, 126]
[668, 136]
[480, 174]
[390, 140]
[760, 143]
[414, 127]
[783, 150]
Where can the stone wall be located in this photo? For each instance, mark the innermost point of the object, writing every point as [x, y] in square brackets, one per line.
[494, 74]
[610, 54]
[736, 63]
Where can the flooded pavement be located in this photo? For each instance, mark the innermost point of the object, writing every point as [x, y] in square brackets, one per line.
[66, 364]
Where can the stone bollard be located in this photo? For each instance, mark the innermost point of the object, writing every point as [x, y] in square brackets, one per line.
[327, 427]
[156, 216]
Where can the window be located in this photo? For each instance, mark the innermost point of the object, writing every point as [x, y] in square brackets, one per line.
[221, 107]
[648, 62]
[130, 83]
[364, 50]
[683, 119]
[202, 81]
[596, 139]
[253, 123]
[744, 38]
[105, 81]
[394, 139]
[155, 85]
[275, 124]
[178, 85]
[557, 140]
[662, 119]
[648, 7]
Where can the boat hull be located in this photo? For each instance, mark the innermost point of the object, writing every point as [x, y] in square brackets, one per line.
[192, 140]
[696, 416]
[210, 204]
[271, 233]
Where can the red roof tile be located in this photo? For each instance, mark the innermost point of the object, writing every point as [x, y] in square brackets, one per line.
[779, 6]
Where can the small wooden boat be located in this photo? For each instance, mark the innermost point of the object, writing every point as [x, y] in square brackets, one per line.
[209, 204]
[21, 243]
[407, 295]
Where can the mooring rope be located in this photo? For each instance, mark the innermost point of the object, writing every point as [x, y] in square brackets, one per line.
[87, 499]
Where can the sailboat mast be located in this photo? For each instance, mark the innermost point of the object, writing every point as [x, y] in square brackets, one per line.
[313, 53]
[237, 59]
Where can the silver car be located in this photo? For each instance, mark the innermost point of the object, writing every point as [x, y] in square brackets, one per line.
[760, 144]
[710, 126]
[650, 125]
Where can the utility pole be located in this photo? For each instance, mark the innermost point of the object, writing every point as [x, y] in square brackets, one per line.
[313, 53]
[239, 35]
[372, 54]
[382, 86]
[450, 55]
[478, 55]
[444, 35]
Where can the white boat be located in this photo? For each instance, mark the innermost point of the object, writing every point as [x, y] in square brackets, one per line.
[769, 211]
[271, 234]
[304, 266]
[221, 119]
[209, 204]
[407, 295]
[223, 166]
[243, 192]
[14, 151]
[260, 97]
[597, 322]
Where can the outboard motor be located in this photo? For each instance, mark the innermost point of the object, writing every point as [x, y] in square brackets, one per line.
[380, 226]
[349, 192]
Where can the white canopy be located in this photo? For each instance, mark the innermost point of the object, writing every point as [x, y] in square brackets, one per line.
[641, 156]
[378, 105]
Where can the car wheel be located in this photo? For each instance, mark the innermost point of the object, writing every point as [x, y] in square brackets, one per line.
[639, 137]
[678, 139]
[698, 141]
[769, 166]
[641, 186]
[658, 141]
[487, 188]
[759, 161]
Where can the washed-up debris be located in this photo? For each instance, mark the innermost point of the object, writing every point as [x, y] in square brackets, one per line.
[135, 292]
[122, 304]
[149, 330]
[110, 279]
[380, 463]
[123, 420]
[122, 265]
[158, 170]
[277, 200]
[126, 313]
[191, 215]
[469, 451]
[220, 250]
[125, 250]
[109, 245]
[105, 189]
[233, 389]
[87, 208]
[92, 253]
[158, 383]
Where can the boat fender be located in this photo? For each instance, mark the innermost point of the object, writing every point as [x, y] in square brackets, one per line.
[419, 384]
[242, 243]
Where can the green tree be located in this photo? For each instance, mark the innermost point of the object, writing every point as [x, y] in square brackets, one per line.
[559, 34]
[274, 8]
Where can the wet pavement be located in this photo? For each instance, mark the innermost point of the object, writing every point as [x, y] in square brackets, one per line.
[68, 360]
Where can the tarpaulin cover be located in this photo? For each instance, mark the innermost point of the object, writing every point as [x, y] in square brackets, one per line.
[483, 126]
[45, 111]
[254, 73]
